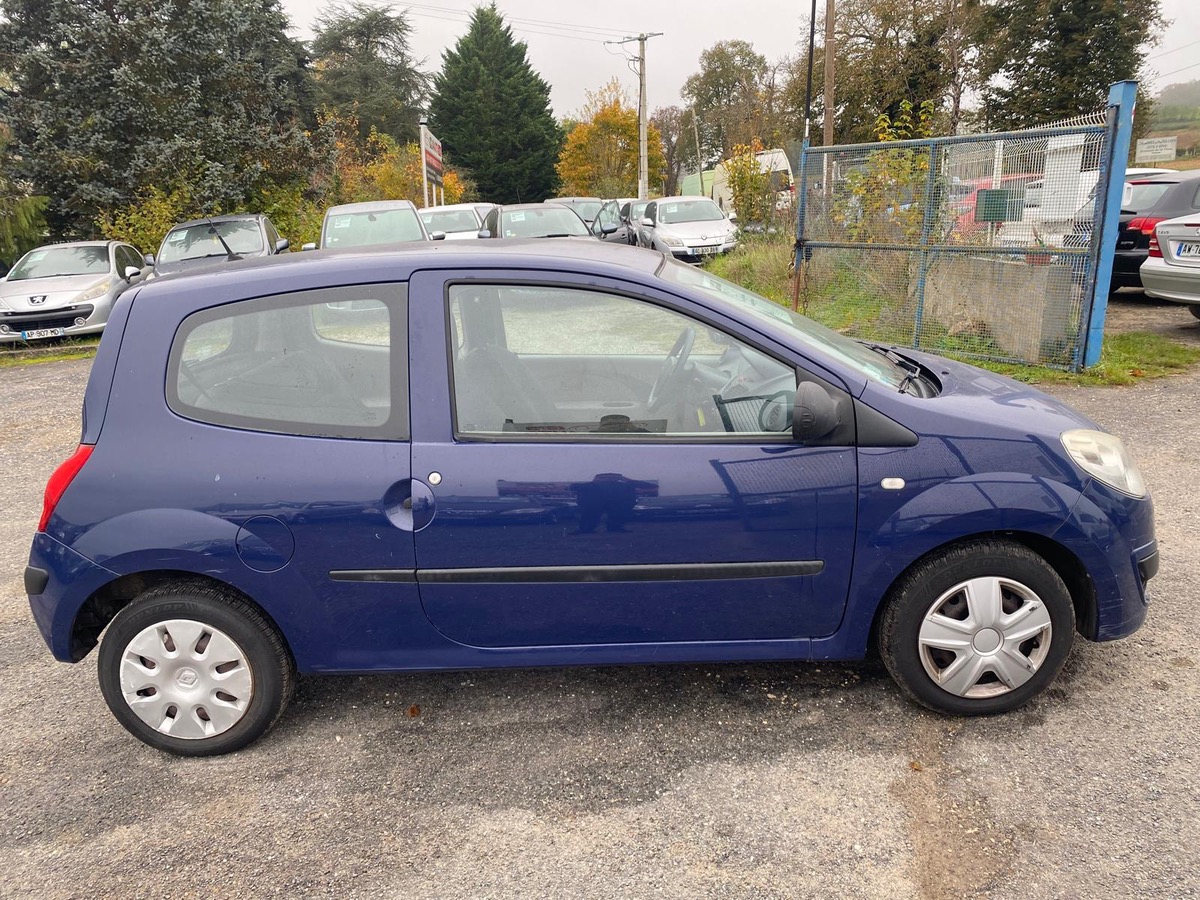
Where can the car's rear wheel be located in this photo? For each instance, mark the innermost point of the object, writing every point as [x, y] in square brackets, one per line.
[1194, 309]
[194, 671]
[980, 628]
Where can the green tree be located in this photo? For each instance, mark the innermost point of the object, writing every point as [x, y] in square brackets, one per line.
[492, 114]
[108, 99]
[738, 97]
[22, 224]
[364, 67]
[1044, 60]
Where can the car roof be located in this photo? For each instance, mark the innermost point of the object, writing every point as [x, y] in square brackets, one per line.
[573, 200]
[77, 244]
[685, 198]
[397, 262]
[231, 217]
[1170, 177]
[448, 206]
[539, 207]
[371, 206]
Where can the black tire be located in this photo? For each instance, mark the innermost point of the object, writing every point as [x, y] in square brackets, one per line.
[269, 661]
[1194, 310]
[922, 586]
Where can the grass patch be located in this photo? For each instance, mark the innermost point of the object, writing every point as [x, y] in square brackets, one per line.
[33, 354]
[852, 306]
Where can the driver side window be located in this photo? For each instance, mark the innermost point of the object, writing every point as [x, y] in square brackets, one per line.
[560, 362]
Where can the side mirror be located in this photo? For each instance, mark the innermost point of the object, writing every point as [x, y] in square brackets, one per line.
[732, 216]
[132, 272]
[815, 413]
[282, 244]
[608, 229]
[647, 222]
[483, 233]
[149, 258]
[437, 235]
[309, 246]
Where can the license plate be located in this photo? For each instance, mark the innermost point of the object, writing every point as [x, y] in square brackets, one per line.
[706, 251]
[38, 333]
[1188, 250]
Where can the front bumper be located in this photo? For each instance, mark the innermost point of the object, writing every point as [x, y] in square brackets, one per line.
[1168, 282]
[94, 315]
[697, 254]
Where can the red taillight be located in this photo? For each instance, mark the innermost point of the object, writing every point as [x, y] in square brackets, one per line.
[58, 482]
[1145, 224]
[1155, 250]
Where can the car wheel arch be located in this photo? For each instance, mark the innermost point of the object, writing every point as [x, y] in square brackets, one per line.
[102, 606]
[1066, 564]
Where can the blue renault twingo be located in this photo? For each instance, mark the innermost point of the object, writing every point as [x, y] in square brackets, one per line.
[517, 454]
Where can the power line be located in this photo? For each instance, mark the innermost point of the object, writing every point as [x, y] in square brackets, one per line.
[1177, 71]
[1169, 52]
[524, 23]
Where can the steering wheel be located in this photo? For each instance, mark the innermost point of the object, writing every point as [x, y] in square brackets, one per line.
[672, 372]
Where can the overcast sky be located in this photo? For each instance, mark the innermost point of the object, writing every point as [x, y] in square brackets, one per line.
[566, 39]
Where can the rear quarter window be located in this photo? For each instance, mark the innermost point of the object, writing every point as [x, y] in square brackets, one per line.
[329, 363]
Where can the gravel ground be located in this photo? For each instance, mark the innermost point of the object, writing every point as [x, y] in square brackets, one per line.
[731, 781]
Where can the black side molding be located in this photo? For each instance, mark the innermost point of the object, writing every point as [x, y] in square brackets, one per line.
[877, 430]
[585, 574]
[393, 576]
[35, 580]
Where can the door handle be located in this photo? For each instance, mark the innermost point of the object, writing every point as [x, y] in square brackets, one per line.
[409, 504]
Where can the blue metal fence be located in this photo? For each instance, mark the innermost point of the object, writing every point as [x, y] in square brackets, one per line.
[994, 246]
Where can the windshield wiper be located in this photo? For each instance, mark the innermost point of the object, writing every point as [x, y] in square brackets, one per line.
[912, 371]
[559, 235]
[212, 229]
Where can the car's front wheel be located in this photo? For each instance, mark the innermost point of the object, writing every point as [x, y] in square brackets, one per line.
[1194, 309]
[980, 628]
[194, 671]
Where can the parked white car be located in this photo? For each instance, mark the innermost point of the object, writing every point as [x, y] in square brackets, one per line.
[459, 221]
[689, 228]
[65, 289]
[1172, 270]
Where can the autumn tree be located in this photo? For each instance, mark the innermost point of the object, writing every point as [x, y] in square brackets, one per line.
[365, 67]
[674, 127]
[491, 111]
[600, 157]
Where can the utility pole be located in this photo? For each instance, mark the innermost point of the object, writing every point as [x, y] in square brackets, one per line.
[643, 126]
[830, 51]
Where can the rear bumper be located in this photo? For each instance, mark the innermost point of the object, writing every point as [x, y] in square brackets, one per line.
[1168, 282]
[63, 581]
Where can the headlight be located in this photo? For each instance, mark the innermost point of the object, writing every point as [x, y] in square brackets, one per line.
[671, 242]
[1105, 458]
[96, 290]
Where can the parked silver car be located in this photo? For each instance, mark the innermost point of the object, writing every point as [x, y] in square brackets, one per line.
[689, 228]
[65, 289]
[1172, 269]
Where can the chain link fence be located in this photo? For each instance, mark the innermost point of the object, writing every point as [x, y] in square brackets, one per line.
[984, 246]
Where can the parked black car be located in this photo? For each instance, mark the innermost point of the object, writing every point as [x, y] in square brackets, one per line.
[203, 242]
[1147, 201]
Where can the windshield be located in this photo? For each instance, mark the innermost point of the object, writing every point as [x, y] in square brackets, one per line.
[365, 229]
[46, 262]
[1141, 195]
[587, 209]
[198, 241]
[856, 355]
[543, 222]
[690, 211]
[450, 220]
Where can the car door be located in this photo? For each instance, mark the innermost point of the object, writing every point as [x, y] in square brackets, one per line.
[646, 232]
[572, 510]
[608, 225]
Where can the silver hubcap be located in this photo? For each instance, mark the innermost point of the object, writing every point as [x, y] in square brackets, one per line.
[186, 679]
[984, 637]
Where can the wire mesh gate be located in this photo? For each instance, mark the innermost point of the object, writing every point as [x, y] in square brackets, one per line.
[992, 246]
